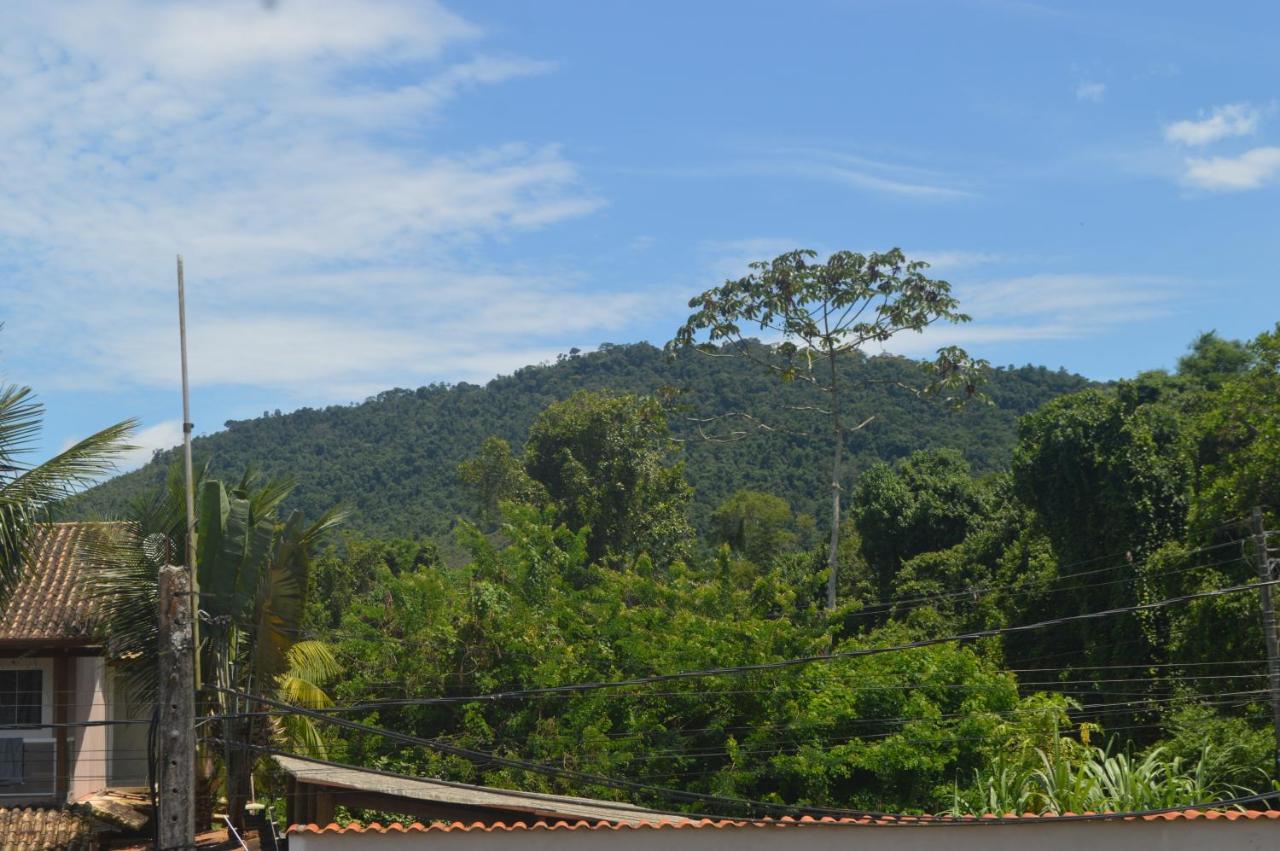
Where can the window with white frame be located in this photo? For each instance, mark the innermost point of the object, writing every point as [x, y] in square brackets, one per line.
[21, 697]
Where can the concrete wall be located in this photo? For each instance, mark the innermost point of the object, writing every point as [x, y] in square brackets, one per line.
[1180, 835]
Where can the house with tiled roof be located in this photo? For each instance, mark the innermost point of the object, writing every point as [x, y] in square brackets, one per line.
[1179, 830]
[464, 817]
[67, 730]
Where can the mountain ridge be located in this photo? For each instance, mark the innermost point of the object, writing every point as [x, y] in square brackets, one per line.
[392, 459]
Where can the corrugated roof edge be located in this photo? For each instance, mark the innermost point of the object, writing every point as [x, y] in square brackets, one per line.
[786, 822]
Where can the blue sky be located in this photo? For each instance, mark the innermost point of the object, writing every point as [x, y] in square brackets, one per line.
[378, 194]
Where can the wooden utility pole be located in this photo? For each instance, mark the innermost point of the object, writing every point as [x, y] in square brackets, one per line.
[1266, 574]
[176, 777]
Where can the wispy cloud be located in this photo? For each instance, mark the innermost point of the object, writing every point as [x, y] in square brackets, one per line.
[892, 179]
[883, 178]
[729, 258]
[1091, 91]
[1235, 119]
[287, 153]
[1046, 306]
[1252, 169]
[959, 259]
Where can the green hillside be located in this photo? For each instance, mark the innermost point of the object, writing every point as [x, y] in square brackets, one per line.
[393, 458]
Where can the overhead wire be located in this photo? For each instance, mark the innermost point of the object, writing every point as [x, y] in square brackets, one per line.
[677, 794]
[734, 670]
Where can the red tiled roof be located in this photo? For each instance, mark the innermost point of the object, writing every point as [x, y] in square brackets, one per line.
[23, 828]
[48, 603]
[502, 827]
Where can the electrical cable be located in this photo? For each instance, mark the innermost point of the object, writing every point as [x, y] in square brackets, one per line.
[800, 660]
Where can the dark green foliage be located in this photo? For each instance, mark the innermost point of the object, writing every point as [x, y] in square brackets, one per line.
[760, 526]
[536, 612]
[925, 503]
[607, 463]
[1106, 472]
[393, 459]
[1238, 441]
[1212, 360]
[494, 476]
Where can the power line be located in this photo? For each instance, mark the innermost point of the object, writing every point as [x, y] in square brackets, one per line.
[676, 794]
[1083, 713]
[539, 768]
[874, 608]
[800, 660]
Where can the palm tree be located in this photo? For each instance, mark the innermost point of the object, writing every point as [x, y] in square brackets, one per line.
[29, 493]
[252, 569]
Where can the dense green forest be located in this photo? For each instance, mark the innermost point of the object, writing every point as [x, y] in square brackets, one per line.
[393, 459]
[585, 561]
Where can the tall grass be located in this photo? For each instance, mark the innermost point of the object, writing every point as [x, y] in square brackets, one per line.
[1093, 779]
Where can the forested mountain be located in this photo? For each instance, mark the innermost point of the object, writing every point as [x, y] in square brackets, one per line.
[1108, 566]
[393, 458]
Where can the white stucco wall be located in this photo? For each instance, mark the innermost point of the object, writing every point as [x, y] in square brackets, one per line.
[1179, 835]
[128, 741]
[90, 753]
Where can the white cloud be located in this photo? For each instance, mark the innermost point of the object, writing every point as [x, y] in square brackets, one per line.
[149, 440]
[1236, 119]
[1093, 92]
[288, 153]
[1250, 170]
[208, 40]
[1045, 307]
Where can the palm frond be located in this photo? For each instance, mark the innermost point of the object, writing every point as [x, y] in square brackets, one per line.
[20, 420]
[302, 736]
[266, 500]
[29, 494]
[313, 661]
[124, 576]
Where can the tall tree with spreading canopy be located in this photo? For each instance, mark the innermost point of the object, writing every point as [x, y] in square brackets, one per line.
[823, 314]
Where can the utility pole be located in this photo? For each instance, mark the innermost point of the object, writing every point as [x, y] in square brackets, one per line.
[176, 778]
[175, 816]
[1266, 575]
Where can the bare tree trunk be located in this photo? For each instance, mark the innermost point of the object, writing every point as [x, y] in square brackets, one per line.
[833, 554]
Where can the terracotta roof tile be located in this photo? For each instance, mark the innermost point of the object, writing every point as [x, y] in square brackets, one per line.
[765, 824]
[30, 828]
[48, 603]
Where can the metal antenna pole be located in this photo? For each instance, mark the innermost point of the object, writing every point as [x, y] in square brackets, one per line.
[186, 427]
[189, 486]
